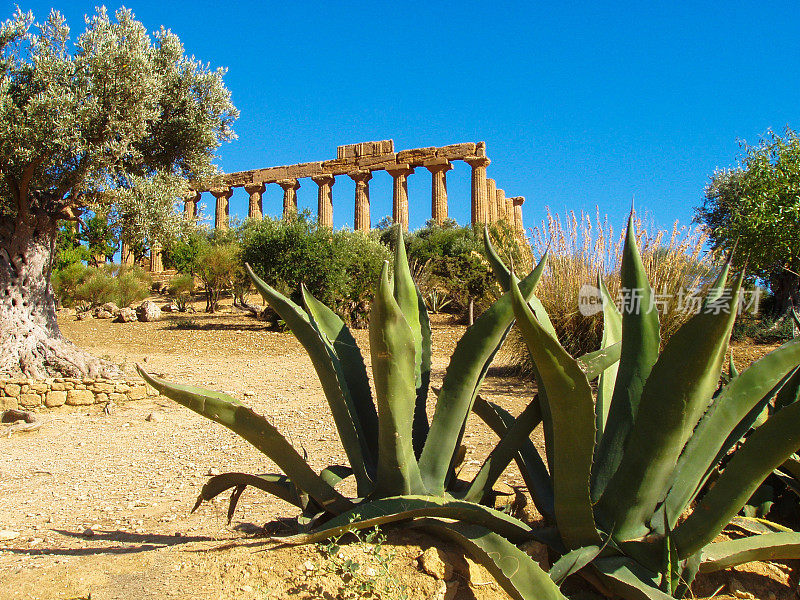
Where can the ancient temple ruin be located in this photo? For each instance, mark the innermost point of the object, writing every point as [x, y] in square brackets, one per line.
[489, 203]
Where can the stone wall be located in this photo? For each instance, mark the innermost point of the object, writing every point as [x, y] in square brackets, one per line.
[29, 394]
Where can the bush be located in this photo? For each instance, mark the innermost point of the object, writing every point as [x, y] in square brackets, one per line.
[338, 268]
[133, 285]
[216, 264]
[98, 287]
[84, 287]
[66, 282]
[180, 290]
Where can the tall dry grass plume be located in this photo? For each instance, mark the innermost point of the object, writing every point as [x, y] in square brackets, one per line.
[581, 247]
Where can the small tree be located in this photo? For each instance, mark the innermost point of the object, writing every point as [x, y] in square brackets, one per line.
[757, 207]
[115, 122]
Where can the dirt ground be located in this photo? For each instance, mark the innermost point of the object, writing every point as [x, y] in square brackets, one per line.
[97, 503]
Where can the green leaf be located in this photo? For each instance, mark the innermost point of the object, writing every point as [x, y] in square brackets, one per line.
[500, 270]
[413, 308]
[764, 547]
[403, 508]
[638, 354]
[331, 376]
[515, 571]
[674, 398]
[594, 363]
[353, 370]
[504, 452]
[259, 432]
[391, 344]
[711, 439]
[572, 562]
[764, 451]
[612, 338]
[277, 485]
[530, 463]
[628, 579]
[572, 413]
[468, 365]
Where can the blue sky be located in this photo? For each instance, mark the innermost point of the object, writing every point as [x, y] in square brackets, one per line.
[580, 105]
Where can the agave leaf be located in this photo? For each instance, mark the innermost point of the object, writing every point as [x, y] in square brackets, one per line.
[764, 451]
[259, 432]
[392, 348]
[674, 399]
[413, 308]
[335, 473]
[789, 392]
[628, 579]
[331, 376]
[757, 525]
[500, 270]
[573, 426]
[530, 463]
[612, 338]
[468, 365]
[638, 354]
[402, 508]
[504, 452]
[712, 438]
[277, 485]
[733, 372]
[353, 370]
[572, 562]
[767, 546]
[594, 363]
[515, 571]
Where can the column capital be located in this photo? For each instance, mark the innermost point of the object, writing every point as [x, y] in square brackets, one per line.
[436, 165]
[191, 196]
[477, 161]
[288, 184]
[255, 188]
[518, 200]
[326, 179]
[360, 176]
[400, 169]
[222, 192]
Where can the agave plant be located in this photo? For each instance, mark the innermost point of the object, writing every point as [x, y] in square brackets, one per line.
[620, 482]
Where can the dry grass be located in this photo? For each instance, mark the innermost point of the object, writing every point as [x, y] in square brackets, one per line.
[581, 247]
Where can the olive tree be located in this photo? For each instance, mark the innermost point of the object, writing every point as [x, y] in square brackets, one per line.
[757, 207]
[116, 120]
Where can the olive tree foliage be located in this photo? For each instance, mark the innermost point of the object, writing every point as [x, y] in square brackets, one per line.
[116, 120]
[756, 207]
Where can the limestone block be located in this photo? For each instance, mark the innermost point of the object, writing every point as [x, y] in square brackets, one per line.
[30, 400]
[117, 397]
[348, 151]
[308, 169]
[137, 393]
[39, 387]
[101, 398]
[148, 311]
[25, 388]
[102, 387]
[57, 386]
[8, 403]
[378, 161]
[340, 166]
[240, 179]
[68, 386]
[416, 155]
[79, 398]
[386, 146]
[12, 389]
[456, 151]
[270, 175]
[121, 387]
[55, 398]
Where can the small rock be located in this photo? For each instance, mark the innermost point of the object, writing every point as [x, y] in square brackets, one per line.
[88, 532]
[153, 418]
[110, 307]
[170, 308]
[212, 472]
[126, 315]
[435, 563]
[7, 534]
[309, 566]
[248, 589]
[103, 314]
[737, 591]
[148, 311]
[83, 315]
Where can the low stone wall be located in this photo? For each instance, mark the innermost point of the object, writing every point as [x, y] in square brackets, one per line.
[69, 391]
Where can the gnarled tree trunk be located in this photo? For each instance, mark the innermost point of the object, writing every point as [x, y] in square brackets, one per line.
[785, 285]
[31, 343]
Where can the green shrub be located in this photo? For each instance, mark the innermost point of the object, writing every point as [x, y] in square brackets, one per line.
[66, 282]
[133, 285]
[180, 290]
[98, 287]
[216, 265]
[337, 267]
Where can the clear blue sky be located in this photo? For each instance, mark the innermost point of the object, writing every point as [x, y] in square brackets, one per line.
[580, 105]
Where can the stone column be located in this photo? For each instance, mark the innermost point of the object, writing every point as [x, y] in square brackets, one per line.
[290, 187]
[500, 205]
[325, 200]
[361, 220]
[156, 262]
[510, 212]
[480, 205]
[491, 199]
[400, 175]
[190, 205]
[221, 214]
[518, 226]
[125, 253]
[438, 168]
[256, 207]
